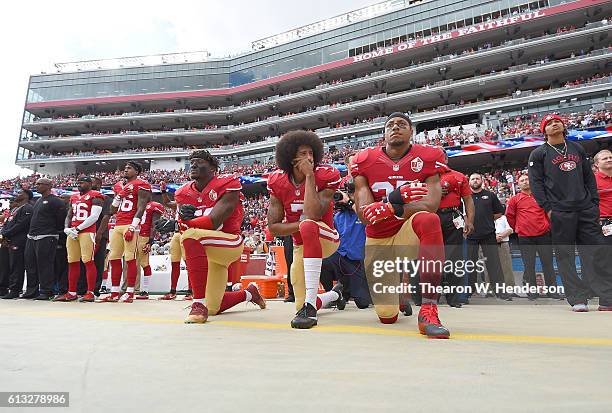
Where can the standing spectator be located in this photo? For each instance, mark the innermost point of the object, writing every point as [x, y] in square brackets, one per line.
[563, 184]
[603, 176]
[502, 235]
[4, 252]
[14, 234]
[532, 226]
[455, 189]
[45, 226]
[288, 251]
[487, 209]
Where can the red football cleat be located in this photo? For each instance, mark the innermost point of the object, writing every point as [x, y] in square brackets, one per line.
[198, 314]
[169, 296]
[65, 298]
[127, 298]
[88, 298]
[113, 298]
[257, 298]
[429, 323]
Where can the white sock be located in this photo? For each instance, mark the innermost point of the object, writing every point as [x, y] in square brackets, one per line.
[198, 300]
[327, 298]
[145, 283]
[129, 290]
[249, 296]
[312, 272]
[115, 289]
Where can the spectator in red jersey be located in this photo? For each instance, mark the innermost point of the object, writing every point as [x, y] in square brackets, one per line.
[603, 176]
[532, 226]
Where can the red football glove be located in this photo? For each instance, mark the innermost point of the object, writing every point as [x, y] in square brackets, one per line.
[129, 234]
[413, 192]
[377, 212]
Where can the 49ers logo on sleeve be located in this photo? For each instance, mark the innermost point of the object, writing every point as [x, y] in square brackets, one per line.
[567, 166]
[416, 164]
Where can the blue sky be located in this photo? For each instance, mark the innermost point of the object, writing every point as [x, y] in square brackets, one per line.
[37, 34]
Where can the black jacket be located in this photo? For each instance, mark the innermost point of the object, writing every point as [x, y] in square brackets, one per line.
[562, 183]
[17, 225]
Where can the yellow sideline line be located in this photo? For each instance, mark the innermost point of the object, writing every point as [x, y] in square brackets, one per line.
[499, 338]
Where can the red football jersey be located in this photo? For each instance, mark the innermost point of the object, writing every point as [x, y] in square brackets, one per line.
[188, 194]
[292, 196]
[385, 175]
[147, 217]
[129, 202]
[457, 185]
[81, 208]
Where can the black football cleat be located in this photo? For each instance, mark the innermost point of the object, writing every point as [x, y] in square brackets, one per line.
[305, 318]
[406, 308]
[340, 303]
[429, 323]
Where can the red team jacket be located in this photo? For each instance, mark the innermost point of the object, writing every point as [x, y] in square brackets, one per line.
[81, 208]
[457, 185]
[188, 194]
[292, 197]
[384, 176]
[129, 203]
[147, 217]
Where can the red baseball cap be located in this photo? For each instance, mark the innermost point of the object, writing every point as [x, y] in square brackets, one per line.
[547, 119]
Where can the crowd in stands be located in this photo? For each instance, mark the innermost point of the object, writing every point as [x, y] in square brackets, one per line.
[449, 137]
[331, 82]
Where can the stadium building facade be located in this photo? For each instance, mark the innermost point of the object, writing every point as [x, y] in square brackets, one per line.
[464, 62]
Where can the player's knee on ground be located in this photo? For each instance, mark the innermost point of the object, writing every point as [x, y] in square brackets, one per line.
[387, 314]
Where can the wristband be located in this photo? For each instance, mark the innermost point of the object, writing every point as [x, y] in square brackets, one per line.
[135, 222]
[398, 209]
[116, 201]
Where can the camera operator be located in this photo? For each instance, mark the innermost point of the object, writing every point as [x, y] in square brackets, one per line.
[346, 264]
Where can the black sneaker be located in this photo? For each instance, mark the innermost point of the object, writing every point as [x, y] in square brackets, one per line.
[340, 303]
[533, 296]
[143, 295]
[504, 296]
[406, 308]
[305, 318]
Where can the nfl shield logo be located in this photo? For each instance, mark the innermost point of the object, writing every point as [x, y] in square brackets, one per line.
[416, 164]
[396, 167]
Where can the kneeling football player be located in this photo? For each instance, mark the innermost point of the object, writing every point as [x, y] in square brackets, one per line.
[397, 191]
[210, 215]
[301, 205]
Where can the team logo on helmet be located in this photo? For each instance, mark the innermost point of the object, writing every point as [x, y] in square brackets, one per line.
[213, 195]
[567, 166]
[416, 164]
